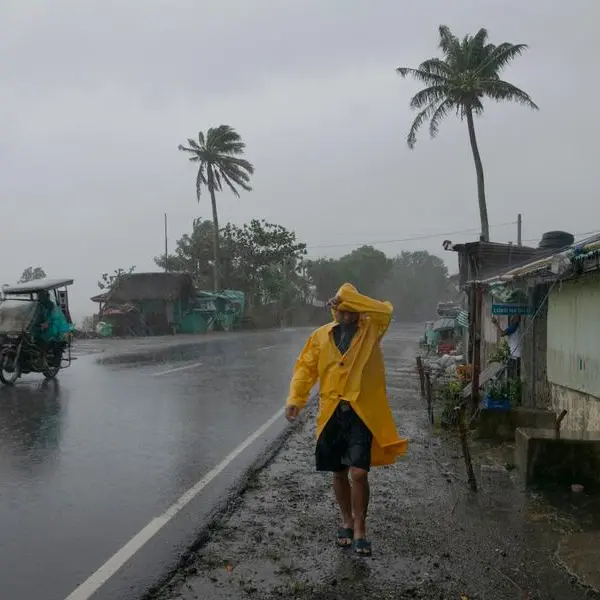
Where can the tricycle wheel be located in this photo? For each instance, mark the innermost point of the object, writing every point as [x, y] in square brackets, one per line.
[53, 363]
[9, 372]
[51, 372]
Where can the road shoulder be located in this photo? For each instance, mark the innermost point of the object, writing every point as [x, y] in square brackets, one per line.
[432, 538]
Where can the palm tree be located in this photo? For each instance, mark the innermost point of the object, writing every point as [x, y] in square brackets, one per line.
[219, 157]
[468, 71]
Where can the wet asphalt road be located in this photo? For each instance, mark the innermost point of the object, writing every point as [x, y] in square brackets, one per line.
[90, 460]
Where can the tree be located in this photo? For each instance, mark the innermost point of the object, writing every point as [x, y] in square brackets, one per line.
[265, 260]
[415, 284]
[262, 259]
[193, 254]
[31, 273]
[364, 267]
[468, 71]
[107, 282]
[219, 158]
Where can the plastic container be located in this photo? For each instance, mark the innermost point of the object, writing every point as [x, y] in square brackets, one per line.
[494, 404]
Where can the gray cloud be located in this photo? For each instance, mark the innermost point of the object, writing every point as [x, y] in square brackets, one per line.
[97, 95]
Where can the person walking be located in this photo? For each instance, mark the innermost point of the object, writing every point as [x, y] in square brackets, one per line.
[355, 426]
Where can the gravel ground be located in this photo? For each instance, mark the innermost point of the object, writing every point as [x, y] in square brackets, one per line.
[432, 537]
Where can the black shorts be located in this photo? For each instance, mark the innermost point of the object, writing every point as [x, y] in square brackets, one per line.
[344, 442]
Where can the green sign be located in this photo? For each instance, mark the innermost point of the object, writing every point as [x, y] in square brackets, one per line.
[512, 309]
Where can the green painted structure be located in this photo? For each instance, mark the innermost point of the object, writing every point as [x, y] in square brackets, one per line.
[162, 303]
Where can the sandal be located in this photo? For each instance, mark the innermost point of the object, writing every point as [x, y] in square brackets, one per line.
[344, 538]
[362, 547]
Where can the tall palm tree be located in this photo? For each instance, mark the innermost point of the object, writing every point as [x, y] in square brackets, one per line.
[468, 71]
[219, 157]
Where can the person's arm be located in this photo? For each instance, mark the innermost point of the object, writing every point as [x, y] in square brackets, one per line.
[304, 377]
[499, 328]
[352, 300]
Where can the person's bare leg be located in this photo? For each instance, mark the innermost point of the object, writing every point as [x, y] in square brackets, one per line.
[360, 501]
[341, 487]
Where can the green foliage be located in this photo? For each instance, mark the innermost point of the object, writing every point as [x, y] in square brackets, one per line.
[31, 273]
[468, 71]
[412, 281]
[364, 267]
[193, 254]
[107, 282]
[262, 259]
[218, 155]
[450, 398]
[501, 353]
[506, 388]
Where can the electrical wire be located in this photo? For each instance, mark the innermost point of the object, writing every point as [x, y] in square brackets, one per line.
[408, 239]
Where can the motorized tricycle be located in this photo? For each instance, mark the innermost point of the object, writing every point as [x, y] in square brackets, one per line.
[26, 343]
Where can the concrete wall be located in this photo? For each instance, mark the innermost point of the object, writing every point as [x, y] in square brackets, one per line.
[573, 352]
[583, 410]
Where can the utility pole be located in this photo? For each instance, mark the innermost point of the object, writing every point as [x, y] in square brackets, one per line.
[166, 246]
[519, 230]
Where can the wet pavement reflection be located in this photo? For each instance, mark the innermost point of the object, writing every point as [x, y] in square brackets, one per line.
[89, 460]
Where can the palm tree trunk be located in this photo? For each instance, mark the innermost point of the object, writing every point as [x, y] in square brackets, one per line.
[483, 214]
[216, 245]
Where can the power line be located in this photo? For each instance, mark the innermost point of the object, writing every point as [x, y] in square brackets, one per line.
[424, 236]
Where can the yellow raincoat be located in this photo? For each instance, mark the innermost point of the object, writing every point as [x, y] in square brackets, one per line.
[357, 377]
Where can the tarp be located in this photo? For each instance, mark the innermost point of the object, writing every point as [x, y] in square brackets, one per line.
[16, 315]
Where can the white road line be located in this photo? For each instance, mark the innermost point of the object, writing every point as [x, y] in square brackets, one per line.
[91, 585]
[262, 348]
[196, 364]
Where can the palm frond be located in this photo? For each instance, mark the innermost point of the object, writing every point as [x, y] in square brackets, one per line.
[500, 57]
[450, 46]
[436, 66]
[216, 174]
[218, 154]
[240, 178]
[200, 180]
[231, 186]
[240, 163]
[428, 95]
[506, 92]
[420, 75]
[224, 136]
[478, 41]
[420, 119]
[441, 111]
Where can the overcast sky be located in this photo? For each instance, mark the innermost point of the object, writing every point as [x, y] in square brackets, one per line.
[97, 94]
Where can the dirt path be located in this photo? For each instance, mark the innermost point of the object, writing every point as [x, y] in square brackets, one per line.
[432, 538]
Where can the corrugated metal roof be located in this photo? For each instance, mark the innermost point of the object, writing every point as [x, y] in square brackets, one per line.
[577, 251]
[444, 324]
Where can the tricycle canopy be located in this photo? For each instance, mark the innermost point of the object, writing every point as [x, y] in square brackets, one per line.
[29, 293]
[36, 285]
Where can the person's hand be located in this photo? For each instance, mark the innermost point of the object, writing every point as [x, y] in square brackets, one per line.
[494, 321]
[291, 413]
[334, 302]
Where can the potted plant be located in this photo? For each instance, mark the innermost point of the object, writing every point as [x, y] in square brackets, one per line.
[497, 395]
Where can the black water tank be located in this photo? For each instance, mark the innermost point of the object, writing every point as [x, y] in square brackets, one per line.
[555, 240]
